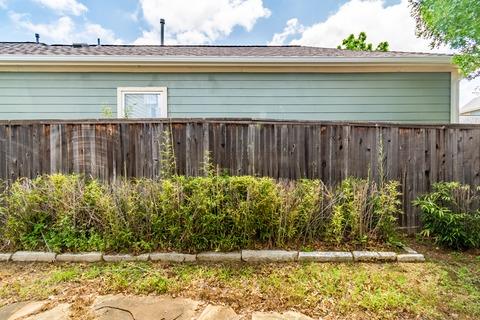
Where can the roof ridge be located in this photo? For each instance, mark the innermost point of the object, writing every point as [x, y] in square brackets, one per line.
[22, 42]
[187, 46]
[168, 45]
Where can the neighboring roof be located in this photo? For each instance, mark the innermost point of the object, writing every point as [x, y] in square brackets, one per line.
[473, 105]
[32, 48]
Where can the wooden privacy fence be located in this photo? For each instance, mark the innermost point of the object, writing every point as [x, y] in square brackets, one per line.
[415, 155]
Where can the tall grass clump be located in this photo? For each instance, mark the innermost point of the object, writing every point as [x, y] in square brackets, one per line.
[364, 211]
[213, 212]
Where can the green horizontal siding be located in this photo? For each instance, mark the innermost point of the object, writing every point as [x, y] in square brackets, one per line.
[50, 115]
[351, 108]
[357, 116]
[226, 84]
[239, 108]
[401, 97]
[228, 92]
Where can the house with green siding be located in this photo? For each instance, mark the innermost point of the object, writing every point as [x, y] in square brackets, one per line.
[470, 113]
[80, 81]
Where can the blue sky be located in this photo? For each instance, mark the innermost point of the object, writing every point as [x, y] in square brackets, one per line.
[304, 22]
[117, 16]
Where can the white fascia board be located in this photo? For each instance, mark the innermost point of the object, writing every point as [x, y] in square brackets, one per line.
[454, 97]
[221, 60]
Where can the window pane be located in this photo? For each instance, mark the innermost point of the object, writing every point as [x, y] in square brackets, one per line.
[141, 105]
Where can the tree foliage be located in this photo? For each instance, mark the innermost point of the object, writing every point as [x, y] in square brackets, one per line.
[360, 43]
[455, 23]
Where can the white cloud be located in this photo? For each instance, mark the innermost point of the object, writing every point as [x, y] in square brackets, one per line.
[65, 30]
[200, 21]
[381, 23]
[64, 6]
[135, 15]
[293, 27]
[60, 30]
[92, 31]
[3, 4]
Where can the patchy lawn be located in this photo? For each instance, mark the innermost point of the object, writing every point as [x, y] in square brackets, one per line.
[446, 286]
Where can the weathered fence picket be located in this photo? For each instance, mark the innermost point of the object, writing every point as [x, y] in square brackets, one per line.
[415, 155]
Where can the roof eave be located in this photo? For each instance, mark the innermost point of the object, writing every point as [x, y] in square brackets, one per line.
[111, 59]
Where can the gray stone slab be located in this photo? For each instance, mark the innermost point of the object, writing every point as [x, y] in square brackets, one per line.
[27, 309]
[7, 311]
[5, 257]
[219, 257]
[410, 257]
[365, 256]
[387, 256]
[80, 257]
[117, 307]
[32, 256]
[325, 256]
[59, 312]
[269, 256]
[217, 313]
[172, 257]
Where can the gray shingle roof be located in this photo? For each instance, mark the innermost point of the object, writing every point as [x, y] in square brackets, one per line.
[32, 48]
[473, 105]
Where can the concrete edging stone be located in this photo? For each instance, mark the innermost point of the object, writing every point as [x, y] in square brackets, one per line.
[174, 257]
[410, 257]
[325, 256]
[5, 257]
[125, 257]
[33, 256]
[219, 257]
[269, 256]
[248, 256]
[80, 257]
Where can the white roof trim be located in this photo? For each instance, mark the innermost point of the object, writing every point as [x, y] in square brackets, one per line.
[223, 59]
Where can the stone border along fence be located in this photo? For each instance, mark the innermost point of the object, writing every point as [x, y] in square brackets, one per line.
[248, 256]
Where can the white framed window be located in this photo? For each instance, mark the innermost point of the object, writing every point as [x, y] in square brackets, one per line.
[142, 102]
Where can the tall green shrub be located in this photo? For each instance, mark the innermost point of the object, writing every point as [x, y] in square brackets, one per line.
[451, 215]
[72, 213]
[55, 211]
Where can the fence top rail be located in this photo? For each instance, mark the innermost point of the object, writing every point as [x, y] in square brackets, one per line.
[243, 121]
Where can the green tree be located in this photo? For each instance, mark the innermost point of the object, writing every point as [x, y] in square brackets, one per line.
[360, 43]
[455, 23]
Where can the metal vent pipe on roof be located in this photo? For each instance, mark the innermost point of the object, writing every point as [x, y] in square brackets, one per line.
[162, 32]
[37, 37]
